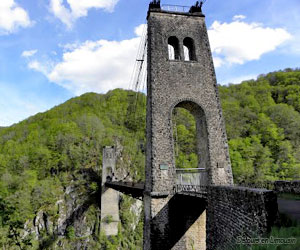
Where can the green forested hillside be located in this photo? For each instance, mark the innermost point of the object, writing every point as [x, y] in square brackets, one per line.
[263, 127]
[49, 154]
[51, 162]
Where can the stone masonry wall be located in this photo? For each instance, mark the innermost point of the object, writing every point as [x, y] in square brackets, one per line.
[238, 211]
[287, 187]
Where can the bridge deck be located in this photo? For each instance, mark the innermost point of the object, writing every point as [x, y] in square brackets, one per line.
[136, 190]
[190, 182]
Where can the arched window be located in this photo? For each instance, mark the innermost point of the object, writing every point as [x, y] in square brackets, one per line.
[173, 48]
[189, 49]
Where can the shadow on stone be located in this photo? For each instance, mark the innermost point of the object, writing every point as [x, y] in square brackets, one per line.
[183, 211]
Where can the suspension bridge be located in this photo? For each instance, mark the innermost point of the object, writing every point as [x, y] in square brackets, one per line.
[191, 208]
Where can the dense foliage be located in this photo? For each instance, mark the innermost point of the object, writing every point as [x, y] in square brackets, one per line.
[40, 156]
[185, 142]
[263, 127]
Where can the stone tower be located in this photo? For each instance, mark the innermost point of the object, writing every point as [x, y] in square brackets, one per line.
[109, 197]
[180, 74]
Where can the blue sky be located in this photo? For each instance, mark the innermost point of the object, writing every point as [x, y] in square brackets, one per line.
[52, 50]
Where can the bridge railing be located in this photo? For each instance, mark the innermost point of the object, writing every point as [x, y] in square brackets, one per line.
[191, 176]
[175, 8]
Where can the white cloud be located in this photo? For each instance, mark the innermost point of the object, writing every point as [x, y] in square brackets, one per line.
[78, 8]
[217, 61]
[239, 42]
[28, 53]
[37, 66]
[93, 65]
[140, 30]
[238, 17]
[12, 17]
[61, 12]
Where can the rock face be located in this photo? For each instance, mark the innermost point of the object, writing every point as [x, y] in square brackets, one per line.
[73, 221]
[75, 215]
[137, 209]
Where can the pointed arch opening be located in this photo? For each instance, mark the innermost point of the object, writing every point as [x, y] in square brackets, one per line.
[173, 48]
[189, 49]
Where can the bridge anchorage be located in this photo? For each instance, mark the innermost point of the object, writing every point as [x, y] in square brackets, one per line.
[188, 208]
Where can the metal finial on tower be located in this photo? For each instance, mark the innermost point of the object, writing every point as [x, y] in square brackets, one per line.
[154, 4]
[197, 7]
